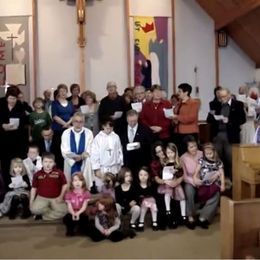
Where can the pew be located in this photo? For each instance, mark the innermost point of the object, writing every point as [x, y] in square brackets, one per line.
[240, 228]
[245, 170]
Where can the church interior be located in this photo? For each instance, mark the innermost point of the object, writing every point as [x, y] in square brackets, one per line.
[138, 44]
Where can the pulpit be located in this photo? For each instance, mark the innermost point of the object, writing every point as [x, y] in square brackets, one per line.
[245, 171]
[240, 228]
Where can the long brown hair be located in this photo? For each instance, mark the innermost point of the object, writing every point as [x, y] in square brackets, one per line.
[81, 178]
[110, 208]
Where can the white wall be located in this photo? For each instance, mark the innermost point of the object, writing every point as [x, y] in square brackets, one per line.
[106, 52]
[195, 41]
[57, 45]
[106, 56]
[15, 7]
[235, 67]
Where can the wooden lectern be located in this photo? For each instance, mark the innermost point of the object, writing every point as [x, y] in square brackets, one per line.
[245, 170]
[240, 228]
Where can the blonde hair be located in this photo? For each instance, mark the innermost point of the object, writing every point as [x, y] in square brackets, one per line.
[211, 147]
[14, 162]
[174, 148]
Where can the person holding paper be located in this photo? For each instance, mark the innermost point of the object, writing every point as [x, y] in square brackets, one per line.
[135, 139]
[75, 148]
[185, 118]
[19, 192]
[227, 130]
[13, 137]
[110, 104]
[171, 185]
[152, 115]
[210, 181]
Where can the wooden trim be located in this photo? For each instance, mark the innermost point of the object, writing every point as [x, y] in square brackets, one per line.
[217, 58]
[34, 47]
[173, 48]
[127, 15]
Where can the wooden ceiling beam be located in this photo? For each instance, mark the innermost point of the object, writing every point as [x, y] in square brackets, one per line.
[236, 13]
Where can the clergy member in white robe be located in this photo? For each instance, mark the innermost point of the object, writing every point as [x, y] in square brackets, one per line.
[75, 148]
[106, 153]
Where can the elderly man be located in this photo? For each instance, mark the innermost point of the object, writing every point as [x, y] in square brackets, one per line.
[110, 104]
[136, 140]
[75, 148]
[228, 119]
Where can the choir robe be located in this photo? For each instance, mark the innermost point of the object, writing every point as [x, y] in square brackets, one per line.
[106, 155]
[69, 162]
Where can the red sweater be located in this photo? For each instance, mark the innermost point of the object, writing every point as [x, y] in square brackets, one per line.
[152, 115]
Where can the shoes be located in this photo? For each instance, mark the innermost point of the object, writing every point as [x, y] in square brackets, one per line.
[132, 225]
[203, 223]
[154, 226]
[38, 217]
[140, 226]
[26, 214]
[189, 222]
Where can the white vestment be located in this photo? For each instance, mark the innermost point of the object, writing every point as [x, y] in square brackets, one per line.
[106, 154]
[32, 168]
[66, 152]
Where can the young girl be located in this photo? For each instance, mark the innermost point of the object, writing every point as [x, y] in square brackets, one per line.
[210, 180]
[146, 192]
[108, 188]
[107, 222]
[126, 196]
[19, 193]
[77, 200]
[106, 153]
[171, 183]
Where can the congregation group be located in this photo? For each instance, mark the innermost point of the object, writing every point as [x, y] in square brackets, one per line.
[90, 163]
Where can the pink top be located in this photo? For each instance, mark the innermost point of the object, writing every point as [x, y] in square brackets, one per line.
[189, 165]
[77, 198]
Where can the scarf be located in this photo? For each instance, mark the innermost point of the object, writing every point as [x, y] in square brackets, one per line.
[77, 165]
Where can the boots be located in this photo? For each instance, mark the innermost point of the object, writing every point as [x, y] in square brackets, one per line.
[26, 213]
[14, 207]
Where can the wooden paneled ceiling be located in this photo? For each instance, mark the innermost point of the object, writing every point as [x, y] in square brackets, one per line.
[241, 19]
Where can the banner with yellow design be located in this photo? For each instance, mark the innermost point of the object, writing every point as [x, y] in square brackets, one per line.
[151, 51]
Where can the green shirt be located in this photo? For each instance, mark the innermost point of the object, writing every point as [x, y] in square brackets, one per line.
[38, 121]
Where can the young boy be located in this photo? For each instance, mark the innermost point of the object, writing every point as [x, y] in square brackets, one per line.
[106, 153]
[38, 119]
[33, 162]
[48, 188]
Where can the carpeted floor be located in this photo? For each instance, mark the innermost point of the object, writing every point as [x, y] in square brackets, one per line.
[48, 241]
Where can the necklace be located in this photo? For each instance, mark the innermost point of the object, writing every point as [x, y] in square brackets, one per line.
[155, 105]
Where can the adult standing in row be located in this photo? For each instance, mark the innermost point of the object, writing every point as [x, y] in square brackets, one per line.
[228, 127]
[110, 104]
[153, 116]
[136, 140]
[13, 135]
[75, 99]
[185, 117]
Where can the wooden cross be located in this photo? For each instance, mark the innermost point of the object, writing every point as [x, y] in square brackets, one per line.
[12, 42]
[81, 20]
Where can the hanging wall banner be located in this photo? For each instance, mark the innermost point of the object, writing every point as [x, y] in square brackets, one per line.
[14, 50]
[151, 51]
